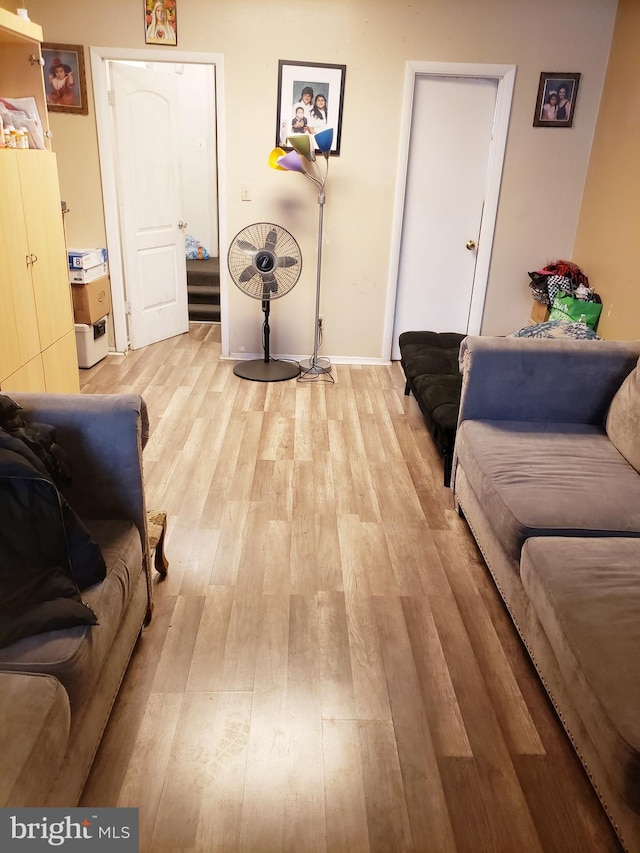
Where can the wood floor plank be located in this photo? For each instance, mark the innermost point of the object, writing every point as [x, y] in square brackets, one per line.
[208, 653]
[336, 676]
[388, 821]
[177, 651]
[438, 694]
[265, 789]
[345, 804]
[211, 738]
[494, 765]
[226, 741]
[371, 696]
[304, 817]
[423, 792]
[512, 712]
[149, 761]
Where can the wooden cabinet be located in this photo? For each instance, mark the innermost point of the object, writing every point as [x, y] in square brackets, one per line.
[37, 340]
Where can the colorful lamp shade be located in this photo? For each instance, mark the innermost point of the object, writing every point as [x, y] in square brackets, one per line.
[302, 144]
[275, 155]
[291, 162]
[324, 140]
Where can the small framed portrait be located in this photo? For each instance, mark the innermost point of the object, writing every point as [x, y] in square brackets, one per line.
[65, 82]
[556, 101]
[160, 22]
[310, 99]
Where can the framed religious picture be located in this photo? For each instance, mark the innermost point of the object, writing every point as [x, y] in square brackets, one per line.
[160, 22]
[65, 82]
[310, 99]
[556, 101]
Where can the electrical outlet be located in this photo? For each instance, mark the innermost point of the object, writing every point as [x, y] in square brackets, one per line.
[321, 322]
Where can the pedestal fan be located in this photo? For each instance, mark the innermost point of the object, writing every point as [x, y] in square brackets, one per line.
[265, 262]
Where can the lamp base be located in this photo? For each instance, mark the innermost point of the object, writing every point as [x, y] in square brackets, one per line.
[320, 365]
[260, 370]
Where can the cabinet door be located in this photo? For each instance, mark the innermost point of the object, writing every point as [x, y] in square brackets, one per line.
[19, 339]
[45, 234]
[60, 365]
[29, 377]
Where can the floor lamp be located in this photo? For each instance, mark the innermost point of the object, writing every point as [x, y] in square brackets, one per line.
[295, 161]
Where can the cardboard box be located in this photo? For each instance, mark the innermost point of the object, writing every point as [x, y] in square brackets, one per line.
[92, 342]
[83, 259]
[85, 276]
[91, 301]
[539, 312]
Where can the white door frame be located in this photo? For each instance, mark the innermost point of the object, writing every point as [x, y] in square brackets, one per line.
[505, 77]
[99, 57]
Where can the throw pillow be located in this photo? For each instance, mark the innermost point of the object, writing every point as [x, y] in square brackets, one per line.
[623, 418]
[37, 590]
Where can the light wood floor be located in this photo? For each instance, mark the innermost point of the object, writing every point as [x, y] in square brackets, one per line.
[329, 666]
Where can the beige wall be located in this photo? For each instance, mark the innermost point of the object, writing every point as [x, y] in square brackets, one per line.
[544, 169]
[607, 238]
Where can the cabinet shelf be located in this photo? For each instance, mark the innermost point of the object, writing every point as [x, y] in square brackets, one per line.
[37, 338]
[21, 74]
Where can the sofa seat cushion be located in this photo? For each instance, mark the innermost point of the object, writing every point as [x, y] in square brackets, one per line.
[76, 655]
[548, 479]
[586, 594]
[34, 734]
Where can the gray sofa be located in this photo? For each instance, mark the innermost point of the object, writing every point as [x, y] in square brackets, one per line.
[545, 471]
[57, 688]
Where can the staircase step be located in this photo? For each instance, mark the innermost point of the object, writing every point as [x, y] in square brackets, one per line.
[203, 313]
[202, 293]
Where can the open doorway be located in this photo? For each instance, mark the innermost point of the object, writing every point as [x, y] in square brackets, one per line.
[159, 116]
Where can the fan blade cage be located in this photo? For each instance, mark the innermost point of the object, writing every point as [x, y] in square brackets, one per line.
[264, 261]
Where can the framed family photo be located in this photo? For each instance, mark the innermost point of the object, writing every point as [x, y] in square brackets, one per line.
[65, 82]
[556, 101]
[310, 97]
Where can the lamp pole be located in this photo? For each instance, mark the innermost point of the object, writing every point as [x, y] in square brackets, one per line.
[317, 365]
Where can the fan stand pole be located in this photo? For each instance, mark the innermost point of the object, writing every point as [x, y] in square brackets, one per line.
[266, 308]
[316, 366]
[264, 369]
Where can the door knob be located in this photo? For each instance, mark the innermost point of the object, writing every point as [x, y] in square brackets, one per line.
[182, 224]
[471, 245]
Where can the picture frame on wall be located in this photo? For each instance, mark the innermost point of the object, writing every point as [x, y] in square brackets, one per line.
[556, 101]
[161, 22]
[310, 98]
[65, 81]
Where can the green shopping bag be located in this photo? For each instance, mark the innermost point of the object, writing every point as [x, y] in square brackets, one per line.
[575, 311]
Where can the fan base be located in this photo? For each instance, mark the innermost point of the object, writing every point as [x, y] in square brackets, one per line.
[320, 365]
[260, 370]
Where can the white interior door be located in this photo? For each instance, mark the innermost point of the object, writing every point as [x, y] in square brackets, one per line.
[146, 127]
[448, 165]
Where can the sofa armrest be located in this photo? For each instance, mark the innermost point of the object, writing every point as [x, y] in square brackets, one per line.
[103, 436]
[529, 379]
